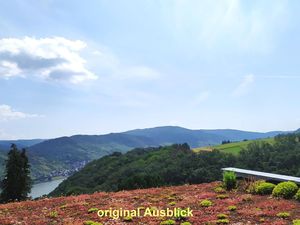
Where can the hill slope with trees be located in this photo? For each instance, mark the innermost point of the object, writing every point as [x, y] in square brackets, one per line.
[62, 156]
[177, 164]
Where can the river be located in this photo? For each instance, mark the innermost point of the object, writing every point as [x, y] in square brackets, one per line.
[44, 188]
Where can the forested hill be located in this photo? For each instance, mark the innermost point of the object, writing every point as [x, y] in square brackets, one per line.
[63, 155]
[147, 167]
[196, 138]
[5, 144]
[176, 164]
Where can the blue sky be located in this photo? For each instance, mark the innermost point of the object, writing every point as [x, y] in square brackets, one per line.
[93, 67]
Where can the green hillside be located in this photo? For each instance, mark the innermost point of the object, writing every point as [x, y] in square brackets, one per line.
[146, 167]
[62, 156]
[177, 164]
[234, 147]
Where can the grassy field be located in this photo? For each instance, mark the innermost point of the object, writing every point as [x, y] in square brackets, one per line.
[234, 147]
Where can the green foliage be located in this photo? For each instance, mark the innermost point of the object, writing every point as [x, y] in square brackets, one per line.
[222, 196]
[144, 168]
[232, 208]
[296, 222]
[222, 221]
[177, 165]
[285, 190]
[265, 188]
[186, 223]
[168, 222]
[172, 203]
[90, 222]
[222, 216]
[53, 214]
[91, 210]
[17, 182]
[297, 195]
[219, 190]
[280, 157]
[206, 203]
[229, 180]
[283, 215]
[128, 219]
[252, 187]
[234, 147]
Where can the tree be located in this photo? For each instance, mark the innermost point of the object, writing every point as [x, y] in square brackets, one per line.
[17, 182]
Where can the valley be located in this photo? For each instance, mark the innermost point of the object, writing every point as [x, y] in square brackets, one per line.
[65, 155]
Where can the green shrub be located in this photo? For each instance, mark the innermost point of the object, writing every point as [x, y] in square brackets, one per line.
[206, 203]
[53, 214]
[219, 190]
[222, 196]
[252, 188]
[172, 203]
[128, 219]
[168, 222]
[222, 221]
[297, 195]
[296, 222]
[222, 216]
[232, 208]
[90, 222]
[229, 180]
[285, 190]
[283, 215]
[265, 188]
[186, 223]
[91, 210]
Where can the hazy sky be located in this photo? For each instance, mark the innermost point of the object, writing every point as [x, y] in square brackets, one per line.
[93, 67]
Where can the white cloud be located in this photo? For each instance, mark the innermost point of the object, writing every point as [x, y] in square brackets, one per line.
[7, 113]
[54, 58]
[59, 59]
[9, 69]
[244, 86]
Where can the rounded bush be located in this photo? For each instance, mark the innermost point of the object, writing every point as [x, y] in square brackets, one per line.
[285, 190]
[222, 216]
[265, 188]
[296, 222]
[222, 196]
[283, 215]
[232, 208]
[206, 203]
[219, 190]
[253, 186]
[186, 223]
[297, 196]
[168, 222]
[222, 221]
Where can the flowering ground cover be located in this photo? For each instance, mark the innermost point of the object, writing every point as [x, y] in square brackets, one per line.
[234, 207]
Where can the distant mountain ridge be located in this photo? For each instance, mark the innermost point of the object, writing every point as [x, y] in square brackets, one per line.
[202, 137]
[5, 144]
[63, 155]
